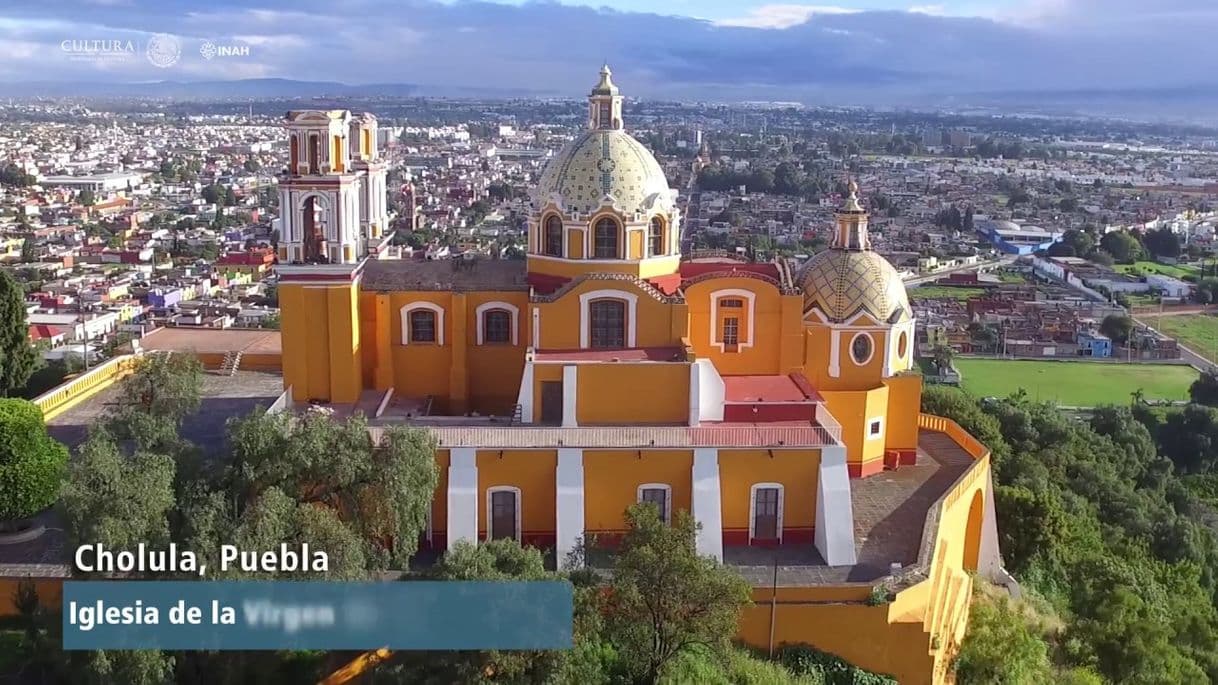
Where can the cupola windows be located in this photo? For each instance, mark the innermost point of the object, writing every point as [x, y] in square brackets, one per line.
[605, 235]
[861, 348]
[552, 236]
[655, 237]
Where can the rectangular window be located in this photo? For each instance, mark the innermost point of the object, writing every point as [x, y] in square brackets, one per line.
[875, 427]
[731, 331]
[731, 303]
[503, 515]
[765, 514]
[422, 327]
[658, 497]
[608, 323]
[497, 326]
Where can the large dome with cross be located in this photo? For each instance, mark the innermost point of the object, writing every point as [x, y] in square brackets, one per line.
[604, 164]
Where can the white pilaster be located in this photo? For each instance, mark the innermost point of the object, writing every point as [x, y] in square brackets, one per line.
[695, 404]
[835, 353]
[525, 397]
[570, 505]
[462, 495]
[834, 509]
[707, 502]
[570, 375]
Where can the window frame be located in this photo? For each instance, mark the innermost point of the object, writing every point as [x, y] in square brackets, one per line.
[480, 326]
[657, 230]
[437, 318]
[667, 489]
[617, 237]
[622, 328]
[487, 328]
[490, 509]
[417, 318]
[876, 423]
[552, 221]
[870, 348]
[738, 300]
[778, 519]
[731, 341]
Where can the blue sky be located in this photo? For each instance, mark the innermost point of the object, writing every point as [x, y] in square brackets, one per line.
[823, 51]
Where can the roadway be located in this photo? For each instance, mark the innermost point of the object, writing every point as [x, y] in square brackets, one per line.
[923, 279]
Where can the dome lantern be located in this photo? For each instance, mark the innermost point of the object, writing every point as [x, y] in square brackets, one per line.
[851, 233]
[605, 103]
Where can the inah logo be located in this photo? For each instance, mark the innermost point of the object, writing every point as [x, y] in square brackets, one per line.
[208, 49]
[163, 50]
[211, 50]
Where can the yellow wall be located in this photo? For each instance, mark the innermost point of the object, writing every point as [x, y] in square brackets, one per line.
[853, 409]
[612, 478]
[534, 472]
[776, 338]
[321, 352]
[560, 320]
[575, 243]
[570, 268]
[904, 403]
[617, 393]
[796, 470]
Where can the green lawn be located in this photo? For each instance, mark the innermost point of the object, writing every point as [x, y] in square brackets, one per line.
[1075, 383]
[944, 292]
[1173, 270]
[1197, 332]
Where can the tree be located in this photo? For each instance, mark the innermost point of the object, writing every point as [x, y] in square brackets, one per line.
[86, 198]
[29, 251]
[1123, 247]
[1000, 648]
[943, 358]
[17, 357]
[31, 462]
[381, 492]
[152, 402]
[1204, 390]
[664, 599]
[1117, 327]
[116, 499]
[1162, 242]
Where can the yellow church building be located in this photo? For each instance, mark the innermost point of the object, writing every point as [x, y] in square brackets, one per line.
[779, 404]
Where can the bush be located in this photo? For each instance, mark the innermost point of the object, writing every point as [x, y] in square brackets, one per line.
[807, 661]
[32, 464]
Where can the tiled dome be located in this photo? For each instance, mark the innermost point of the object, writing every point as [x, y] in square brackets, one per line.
[842, 283]
[605, 162]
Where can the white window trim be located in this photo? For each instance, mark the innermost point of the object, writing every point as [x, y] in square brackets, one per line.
[585, 315]
[430, 306]
[870, 351]
[663, 235]
[667, 497]
[750, 297]
[753, 507]
[488, 306]
[878, 435]
[490, 518]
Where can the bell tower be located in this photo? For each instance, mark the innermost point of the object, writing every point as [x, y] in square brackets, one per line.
[319, 195]
[851, 232]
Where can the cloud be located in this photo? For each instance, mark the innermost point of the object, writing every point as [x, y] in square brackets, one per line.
[782, 16]
[814, 53]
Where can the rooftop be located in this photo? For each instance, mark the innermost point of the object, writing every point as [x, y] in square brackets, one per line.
[459, 275]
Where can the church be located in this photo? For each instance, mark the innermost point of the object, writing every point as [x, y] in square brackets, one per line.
[778, 403]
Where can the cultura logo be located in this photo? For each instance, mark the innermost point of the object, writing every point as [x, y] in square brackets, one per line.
[163, 50]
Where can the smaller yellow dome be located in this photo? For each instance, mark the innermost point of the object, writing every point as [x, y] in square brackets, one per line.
[843, 283]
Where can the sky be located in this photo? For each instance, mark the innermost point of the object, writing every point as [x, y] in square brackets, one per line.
[682, 49]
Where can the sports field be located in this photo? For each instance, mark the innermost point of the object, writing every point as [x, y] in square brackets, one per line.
[1075, 383]
[1197, 332]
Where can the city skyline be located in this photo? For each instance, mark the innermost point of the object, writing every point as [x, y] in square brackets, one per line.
[876, 51]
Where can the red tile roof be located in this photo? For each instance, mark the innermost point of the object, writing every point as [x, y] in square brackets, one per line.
[756, 389]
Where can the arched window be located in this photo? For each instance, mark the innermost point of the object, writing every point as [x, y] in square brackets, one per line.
[655, 237]
[552, 240]
[604, 239]
[497, 326]
[422, 326]
[607, 319]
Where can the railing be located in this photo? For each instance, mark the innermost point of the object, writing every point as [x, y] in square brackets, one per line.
[628, 437]
[953, 430]
[61, 398]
